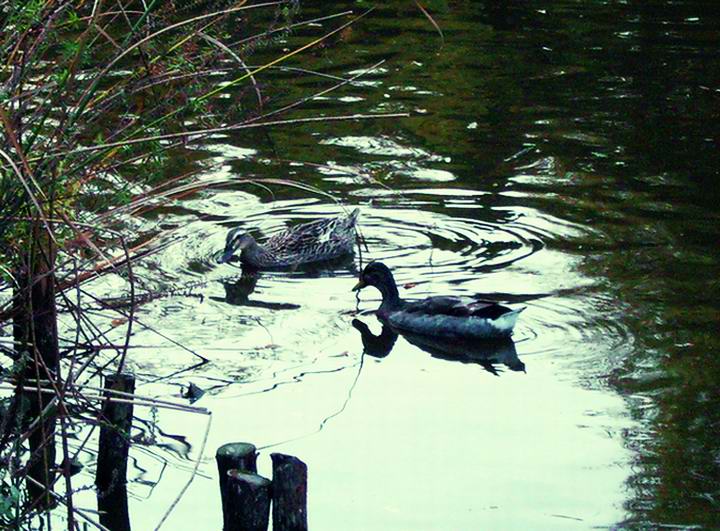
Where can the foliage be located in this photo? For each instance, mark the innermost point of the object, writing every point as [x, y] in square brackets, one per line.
[90, 91]
[9, 500]
[98, 101]
[95, 99]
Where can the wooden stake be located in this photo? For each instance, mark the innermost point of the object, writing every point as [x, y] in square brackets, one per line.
[114, 446]
[289, 495]
[248, 502]
[240, 456]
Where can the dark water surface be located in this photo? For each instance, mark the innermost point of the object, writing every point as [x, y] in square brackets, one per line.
[560, 155]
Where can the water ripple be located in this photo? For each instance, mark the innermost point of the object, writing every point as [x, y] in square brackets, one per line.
[443, 247]
[498, 252]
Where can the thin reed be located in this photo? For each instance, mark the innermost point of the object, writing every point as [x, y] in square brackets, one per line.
[98, 102]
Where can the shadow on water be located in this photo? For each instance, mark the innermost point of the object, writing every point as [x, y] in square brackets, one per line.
[238, 291]
[487, 354]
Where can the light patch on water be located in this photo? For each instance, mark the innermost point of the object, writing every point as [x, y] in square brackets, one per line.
[350, 99]
[231, 152]
[363, 71]
[379, 145]
[429, 174]
[414, 442]
[446, 192]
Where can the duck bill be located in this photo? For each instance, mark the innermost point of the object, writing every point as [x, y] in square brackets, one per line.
[227, 255]
[360, 285]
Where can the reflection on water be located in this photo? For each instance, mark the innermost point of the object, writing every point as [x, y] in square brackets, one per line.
[487, 353]
[237, 293]
[564, 154]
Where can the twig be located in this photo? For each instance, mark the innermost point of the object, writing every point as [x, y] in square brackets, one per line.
[317, 94]
[131, 314]
[138, 401]
[237, 58]
[79, 512]
[432, 21]
[189, 135]
[194, 472]
[124, 394]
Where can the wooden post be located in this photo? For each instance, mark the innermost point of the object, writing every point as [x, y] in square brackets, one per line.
[35, 333]
[248, 502]
[240, 456]
[114, 446]
[289, 495]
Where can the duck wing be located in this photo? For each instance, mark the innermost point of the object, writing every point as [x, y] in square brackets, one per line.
[456, 307]
[298, 237]
[319, 237]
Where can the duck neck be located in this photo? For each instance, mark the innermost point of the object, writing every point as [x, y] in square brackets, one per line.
[390, 297]
[254, 254]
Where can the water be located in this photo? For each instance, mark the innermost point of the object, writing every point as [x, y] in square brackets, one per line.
[559, 156]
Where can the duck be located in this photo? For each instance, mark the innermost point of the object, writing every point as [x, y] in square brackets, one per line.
[316, 241]
[443, 317]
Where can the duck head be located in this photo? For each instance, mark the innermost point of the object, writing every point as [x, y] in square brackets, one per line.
[378, 275]
[236, 240]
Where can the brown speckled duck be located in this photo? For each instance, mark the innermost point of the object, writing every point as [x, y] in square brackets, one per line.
[317, 241]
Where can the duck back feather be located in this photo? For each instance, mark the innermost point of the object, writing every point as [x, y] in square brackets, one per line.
[458, 325]
[316, 241]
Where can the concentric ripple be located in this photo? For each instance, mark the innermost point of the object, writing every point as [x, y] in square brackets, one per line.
[433, 249]
[431, 243]
[583, 326]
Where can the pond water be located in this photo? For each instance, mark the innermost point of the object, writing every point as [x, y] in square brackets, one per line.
[561, 156]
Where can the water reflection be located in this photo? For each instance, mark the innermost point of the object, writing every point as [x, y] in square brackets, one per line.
[376, 346]
[238, 291]
[487, 354]
[568, 149]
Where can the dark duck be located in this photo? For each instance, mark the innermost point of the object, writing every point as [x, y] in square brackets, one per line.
[443, 317]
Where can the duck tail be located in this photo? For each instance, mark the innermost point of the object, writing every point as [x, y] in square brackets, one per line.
[506, 322]
[353, 216]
